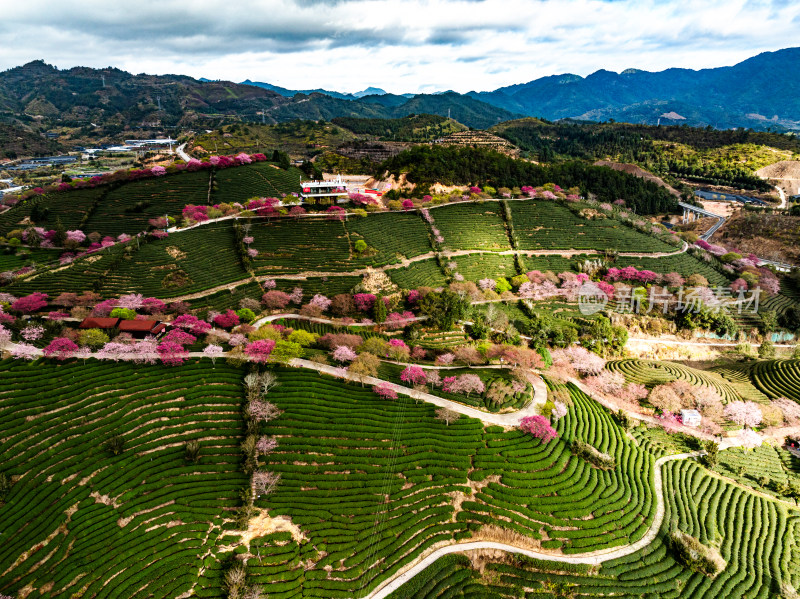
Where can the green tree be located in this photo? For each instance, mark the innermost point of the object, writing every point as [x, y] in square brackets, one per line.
[444, 308]
[502, 285]
[285, 351]
[60, 236]
[769, 321]
[379, 310]
[767, 350]
[123, 313]
[712, 450]
[302, 338]
[94, 338]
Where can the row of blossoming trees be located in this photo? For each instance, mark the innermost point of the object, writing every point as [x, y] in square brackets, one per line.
[213, 162]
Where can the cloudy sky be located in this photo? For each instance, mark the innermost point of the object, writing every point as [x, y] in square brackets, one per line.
[399, 45]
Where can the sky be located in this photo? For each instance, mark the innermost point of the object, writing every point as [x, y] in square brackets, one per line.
[398, 45]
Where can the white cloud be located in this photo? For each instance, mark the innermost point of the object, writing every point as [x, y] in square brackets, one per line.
[401, 46]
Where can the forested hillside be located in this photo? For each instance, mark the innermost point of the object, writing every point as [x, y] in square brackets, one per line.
[18, 142]
[728, 157]
[461, 166]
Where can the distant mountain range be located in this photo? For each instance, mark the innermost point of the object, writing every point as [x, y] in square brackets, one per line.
[81, 97]
[761, 92]
[289, 93]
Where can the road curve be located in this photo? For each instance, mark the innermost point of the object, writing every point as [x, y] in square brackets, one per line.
[389, 586]
[182, 152]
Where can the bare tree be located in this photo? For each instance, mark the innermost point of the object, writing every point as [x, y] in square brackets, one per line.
[235, 579]
[268, 381]
[264, 483]
[263, 410]
[447, 416]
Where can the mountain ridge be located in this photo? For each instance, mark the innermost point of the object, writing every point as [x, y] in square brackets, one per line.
[744, 95]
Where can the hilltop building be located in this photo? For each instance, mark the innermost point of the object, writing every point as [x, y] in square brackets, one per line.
[317, 191]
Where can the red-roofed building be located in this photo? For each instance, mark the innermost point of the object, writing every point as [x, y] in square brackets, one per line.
[141, 327]
[98, 323]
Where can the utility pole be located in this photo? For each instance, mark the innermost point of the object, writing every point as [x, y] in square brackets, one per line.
[158, 99]
[103, 77]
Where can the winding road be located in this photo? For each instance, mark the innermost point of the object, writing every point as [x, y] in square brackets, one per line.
[593, 558]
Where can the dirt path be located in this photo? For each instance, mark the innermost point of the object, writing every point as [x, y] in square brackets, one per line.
[404, 263]
[510, 419]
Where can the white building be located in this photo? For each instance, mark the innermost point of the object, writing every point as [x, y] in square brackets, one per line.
[336, 190]
[691, 418]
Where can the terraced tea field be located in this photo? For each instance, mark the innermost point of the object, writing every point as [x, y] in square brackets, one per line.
[259, 179]
[126, 207]
[79, 519]
[472, 226]
[545, 225]
[177, 265]
[652, 373]
[426, 273]
[381, 490]
[391, 235]
[759, 540]
[774, 378]
[684, 264]
[480, 266]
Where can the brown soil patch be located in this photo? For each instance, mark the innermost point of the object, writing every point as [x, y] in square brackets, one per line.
[123, 522]
[262, 525]
[175, 253]
[62, 529]
[498, 534]
[784, 174]
[771, 236]
[104, 499]
[637, 171]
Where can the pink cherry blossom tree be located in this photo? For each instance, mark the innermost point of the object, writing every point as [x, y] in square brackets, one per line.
[467, 384]
[24, 351]
[296, 296]
[32, 332]
[60, 348]
[559, 411]
[413, 375]
[213, 352]
[171, 353]
[259, 351]
[539, 427]
[264, 483]
[343, 354]
[749, 439]
[191, 323]
[262, 410]
[266, 445]
[744, 413]
[385, 390]
[275, 300]
[320, 301]
[30, 303]
[5, 336]
[445, 359]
